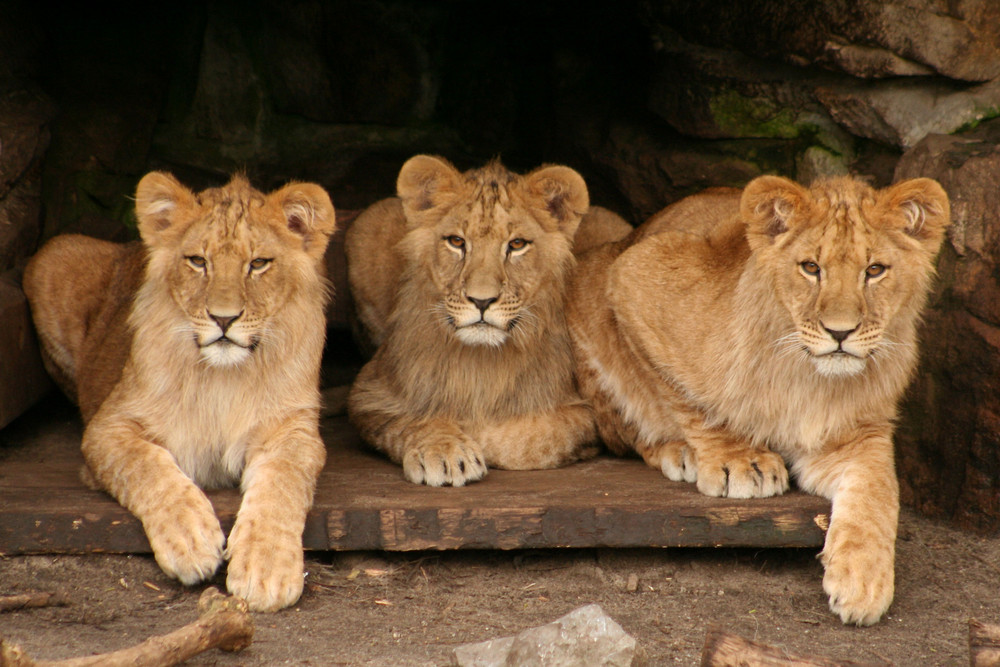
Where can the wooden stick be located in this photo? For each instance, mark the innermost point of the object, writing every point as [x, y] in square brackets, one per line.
[984, 644]
[723, 649]
[223, 624]
[31, 600]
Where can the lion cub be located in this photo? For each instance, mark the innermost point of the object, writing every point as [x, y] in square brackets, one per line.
[739, 331]
[194, 356]
[460, 282]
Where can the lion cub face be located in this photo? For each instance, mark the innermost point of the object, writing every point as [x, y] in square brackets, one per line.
[230, 257]
[846, 261]
[491, 240]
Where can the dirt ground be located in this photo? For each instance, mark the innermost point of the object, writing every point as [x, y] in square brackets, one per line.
[415, 608]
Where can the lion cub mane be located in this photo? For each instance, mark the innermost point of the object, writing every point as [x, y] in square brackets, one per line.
[194, 356]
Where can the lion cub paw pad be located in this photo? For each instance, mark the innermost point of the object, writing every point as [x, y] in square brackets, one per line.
[860, 590]
[189, 550]
[265, 588]
[678, 463]
[755, 474]
[453, 463]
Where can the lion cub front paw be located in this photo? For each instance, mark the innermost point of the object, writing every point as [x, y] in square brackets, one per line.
[858, 578]
[264, 569]
[742, 472]
[673, 458]
[186, 537]
[445, 461]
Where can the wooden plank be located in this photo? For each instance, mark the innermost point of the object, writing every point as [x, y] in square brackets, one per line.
[363, 502]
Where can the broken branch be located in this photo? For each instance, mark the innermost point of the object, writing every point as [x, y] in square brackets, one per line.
[984, 644]
[723, 649]
[223, 624]
[31, 600]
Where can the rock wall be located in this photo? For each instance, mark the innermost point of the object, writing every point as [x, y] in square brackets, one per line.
[948, 444]
[26, 113]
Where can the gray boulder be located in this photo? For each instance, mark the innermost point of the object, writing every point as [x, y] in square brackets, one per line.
[586, 637]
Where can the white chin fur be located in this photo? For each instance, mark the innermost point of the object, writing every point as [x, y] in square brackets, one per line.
[834, 365]
[223, 355]
[481, 334]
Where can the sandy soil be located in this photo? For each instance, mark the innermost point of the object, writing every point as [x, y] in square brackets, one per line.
[414, 608]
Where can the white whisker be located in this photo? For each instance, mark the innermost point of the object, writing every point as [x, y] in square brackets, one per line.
[788, 345]
[439, 311]
[527, 319]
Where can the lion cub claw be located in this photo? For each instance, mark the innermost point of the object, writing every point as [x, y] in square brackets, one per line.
[749, 473]
[445, 462]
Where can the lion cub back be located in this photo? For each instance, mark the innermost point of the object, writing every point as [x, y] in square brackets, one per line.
[374, 274]
[80, 290]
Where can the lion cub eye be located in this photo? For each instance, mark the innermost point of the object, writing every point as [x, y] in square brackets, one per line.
[196, 262]
[874, 271]
[810, 269]
[259, 263]
[517, 244]
[456, 242]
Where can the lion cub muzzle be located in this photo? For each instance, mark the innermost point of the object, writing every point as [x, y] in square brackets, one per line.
[839, 351]
[841, 343]
[226, 341]
[481, 319]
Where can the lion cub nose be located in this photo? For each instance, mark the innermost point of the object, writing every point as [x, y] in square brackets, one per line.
[840, 335]
[482, 304]
[225, 321]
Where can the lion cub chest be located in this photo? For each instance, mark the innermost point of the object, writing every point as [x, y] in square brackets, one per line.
[209, 423]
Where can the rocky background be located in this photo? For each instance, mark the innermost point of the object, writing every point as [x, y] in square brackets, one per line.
[650, 99]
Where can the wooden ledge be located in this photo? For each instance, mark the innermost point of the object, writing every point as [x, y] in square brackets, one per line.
[362, 503]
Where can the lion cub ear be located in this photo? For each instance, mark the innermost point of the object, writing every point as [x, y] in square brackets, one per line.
[563, 193]
[768, 206]
[924, 206]
[308, 213]
[426, 182]
[160, 204]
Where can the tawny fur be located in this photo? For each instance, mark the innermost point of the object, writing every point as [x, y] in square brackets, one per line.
[707, 342]
[455, 387]
[168, 406]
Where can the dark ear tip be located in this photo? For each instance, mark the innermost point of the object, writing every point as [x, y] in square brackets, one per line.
[563, 190]
[307, 208]
[296, 224]
[768, 203]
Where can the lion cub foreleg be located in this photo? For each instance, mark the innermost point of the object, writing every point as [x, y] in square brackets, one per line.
[544, 439]
[265, 545]
[432, 450]
[860, 549]
[177, 517]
